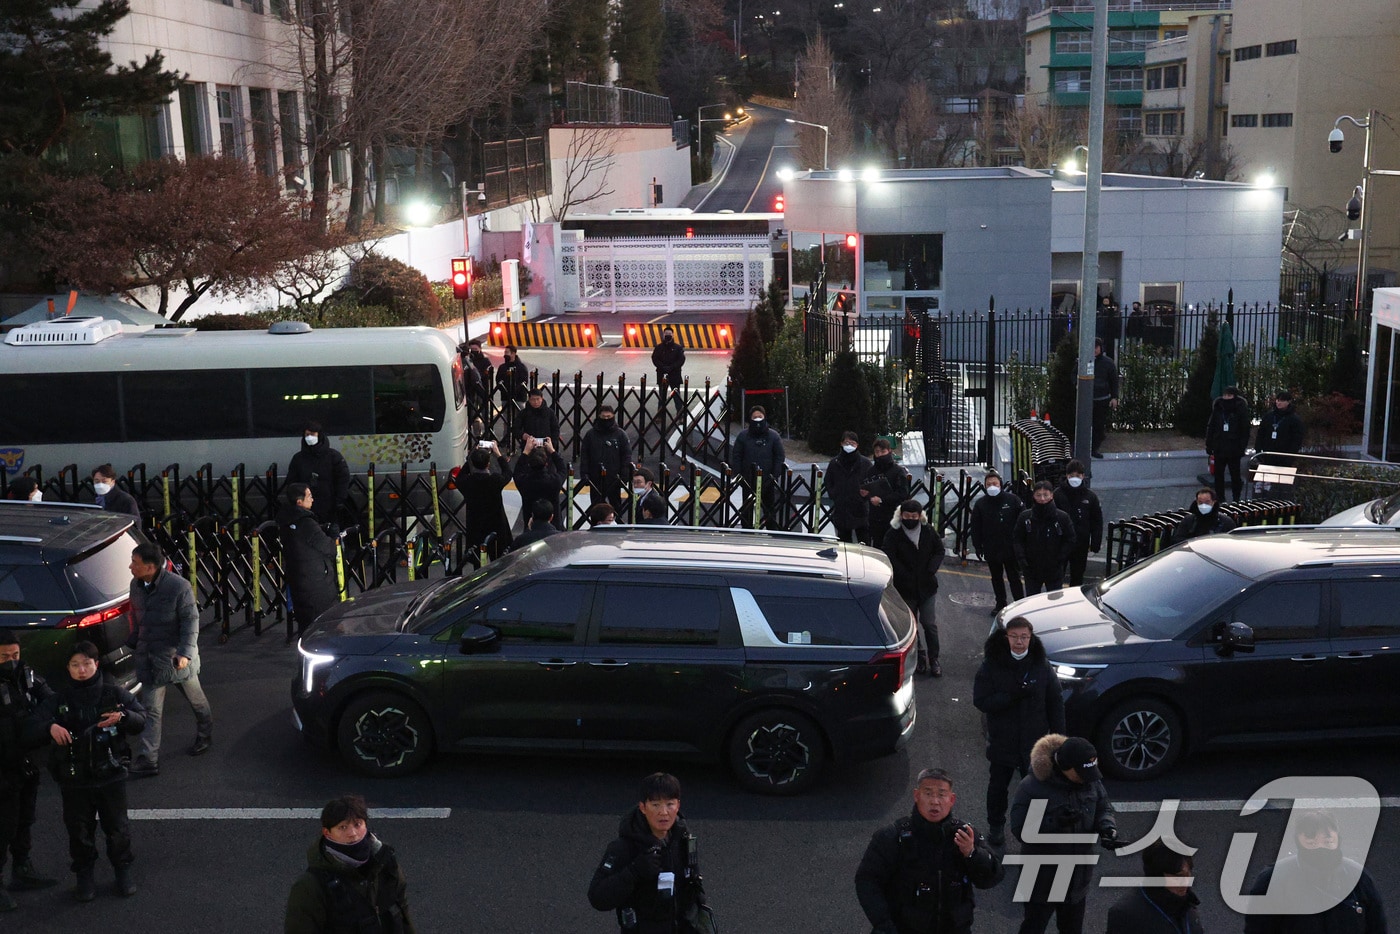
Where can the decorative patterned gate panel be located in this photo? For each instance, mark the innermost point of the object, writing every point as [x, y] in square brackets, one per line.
[663, 273]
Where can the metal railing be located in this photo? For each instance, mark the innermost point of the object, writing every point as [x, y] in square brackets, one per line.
[596, 103]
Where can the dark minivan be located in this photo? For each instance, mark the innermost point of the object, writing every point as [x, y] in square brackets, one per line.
[773, 652]
[1264, 634]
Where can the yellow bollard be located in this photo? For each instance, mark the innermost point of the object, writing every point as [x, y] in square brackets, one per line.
[340, 567]
[697, 485]
[437, 511]
[233, 483]
[165, 492]
[369, 480]
[257, 574]
[409, 548]
[758, 498]
[193, 569]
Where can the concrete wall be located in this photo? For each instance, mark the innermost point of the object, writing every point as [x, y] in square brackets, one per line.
[620, 164]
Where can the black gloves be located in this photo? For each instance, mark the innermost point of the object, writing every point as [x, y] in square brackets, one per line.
[647, 865]
[1108, 838]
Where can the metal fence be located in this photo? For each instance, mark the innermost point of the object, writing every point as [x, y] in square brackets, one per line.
[596, 103]
[1131, 540]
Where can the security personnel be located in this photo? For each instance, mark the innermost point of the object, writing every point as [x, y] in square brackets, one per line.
[1081, 504]
[918, 873]
[22, 690]
[1044, 539]
[993, 524]
[308, 555]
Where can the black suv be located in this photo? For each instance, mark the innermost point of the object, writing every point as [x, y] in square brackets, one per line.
[65, 577]
[772, 651]
[1262, 634]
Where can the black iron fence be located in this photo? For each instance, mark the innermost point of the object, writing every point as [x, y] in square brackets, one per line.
[1131, 540]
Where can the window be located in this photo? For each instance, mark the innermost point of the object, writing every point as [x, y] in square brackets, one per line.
[289, 119]
[1367, 608]
[904, 262]
[811, 621]
[1248, 52]
[1174, 76]
[631, 616]
[547, 611]
[194, 119]
[264, 142]
[61, 408]
[177, 405]
[282, 9]
[1225, 122]
[1165, 123]
[1153, 79]
[338, 156]
[1130, 40]
[1124, 79]
[1129, 120]
[1281, 612]
[283, 400]
[960, 105]
[408, 398]
[1287, 47]
[1071, 82]
[1244, 120]
[230, 107]
[1172, 34]
[1277, 120]
[1075, 42]
[1227, 70]
[31, 587]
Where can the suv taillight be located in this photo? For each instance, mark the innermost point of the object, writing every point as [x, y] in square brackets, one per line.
[95, 618]
[899, 658]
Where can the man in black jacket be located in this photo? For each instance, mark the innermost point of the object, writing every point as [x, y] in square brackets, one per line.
[1018, 694]
[1317, 890]
[918, 873]
[1043, 539]
[540, 473]
[605, 458]
[322, 468]
[540, 525]
[1169, 908]
[850, 511]
[537, 420]
[993, 524]
[760, 448]
[22, 691]
[308, 556]
[512, 377]
[1280, 431]
[647, 505]
[650, 875]
[1227, 438]
[111, 497]
[1205, 518]
[1065, 780]
[1081, 504]
[1105, 395]
[669, 358]
[916, 551]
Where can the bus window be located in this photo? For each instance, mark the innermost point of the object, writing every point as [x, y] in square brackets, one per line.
[60, 408]
[285, 399]
[182, 405]
[408, 398]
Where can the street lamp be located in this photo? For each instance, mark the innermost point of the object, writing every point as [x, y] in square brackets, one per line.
[1071, 167]
[826, 140]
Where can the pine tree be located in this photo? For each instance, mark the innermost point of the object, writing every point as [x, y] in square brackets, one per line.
[1061, 402]
[845, 405]
[637, 39]
[1193, 411]
[748, 368]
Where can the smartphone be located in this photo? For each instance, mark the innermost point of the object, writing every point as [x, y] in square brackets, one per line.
[484, 444]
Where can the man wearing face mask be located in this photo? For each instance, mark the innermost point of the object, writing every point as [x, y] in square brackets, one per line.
[760, 448]
[110, 497]
[1203, 519]
[850, 512]
[1167, 907]
[669, 358]
[993, 524]
[1081, 504]
[648, 505]
[26, 489]
[884, 487]
[512, 377]
[1317, 890]
[322, 468]
[1043, 539]
[22, 691]
[605, 458]
[916, 552]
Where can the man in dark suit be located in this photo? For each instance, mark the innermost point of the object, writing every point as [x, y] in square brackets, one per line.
[110, 497]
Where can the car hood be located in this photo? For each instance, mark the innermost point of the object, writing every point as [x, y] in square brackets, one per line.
[1356, 515]
[1073, 629]
[374, 615]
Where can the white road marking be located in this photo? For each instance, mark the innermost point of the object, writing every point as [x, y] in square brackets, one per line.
[1139, 807]
[279, 813]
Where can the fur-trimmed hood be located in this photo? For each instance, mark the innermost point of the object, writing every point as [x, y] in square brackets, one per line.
[997, 649]
[1042, 755]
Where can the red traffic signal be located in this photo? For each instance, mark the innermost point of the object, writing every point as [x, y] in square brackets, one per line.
[779, 204]
[462, 278]
[850, 241]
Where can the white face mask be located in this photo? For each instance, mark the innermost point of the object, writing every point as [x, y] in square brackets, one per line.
[639, 491]
[102, 489]
[993, 491]
[848, 448]
[1205, 508]
[1021, 656]
[37, 496]
[311, 439]
[1076, 482]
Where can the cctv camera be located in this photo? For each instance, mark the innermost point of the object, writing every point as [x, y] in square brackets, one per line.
[1334, 140]
[481, 197]
[1354, 208]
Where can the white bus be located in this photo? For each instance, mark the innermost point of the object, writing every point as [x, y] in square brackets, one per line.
[81, 391]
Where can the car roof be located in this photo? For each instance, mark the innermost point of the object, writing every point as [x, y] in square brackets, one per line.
[54, 532]
[1258, 551]
[671, 548]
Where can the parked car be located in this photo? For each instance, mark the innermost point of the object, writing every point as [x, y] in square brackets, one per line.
[1382, 511]
[1262, 634]
[774, 652]
[64, 578]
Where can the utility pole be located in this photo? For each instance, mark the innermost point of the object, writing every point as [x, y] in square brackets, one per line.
[1089, 286]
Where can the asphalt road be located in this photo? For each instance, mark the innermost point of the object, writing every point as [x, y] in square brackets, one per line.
[524, 833]
[751, 183]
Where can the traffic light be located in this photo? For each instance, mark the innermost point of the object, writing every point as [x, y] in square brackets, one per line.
[462, 278]
[850, 241]
[778, 204]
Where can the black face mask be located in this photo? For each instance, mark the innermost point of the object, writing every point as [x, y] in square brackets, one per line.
[1320, 860]
[9, 669]
[757, 426]
[667, 339]
[603, 423]
[359, 852]
[1045, 509]
[909, 523]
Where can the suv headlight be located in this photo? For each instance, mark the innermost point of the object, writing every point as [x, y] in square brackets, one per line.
[310, 661]
[1073, 674]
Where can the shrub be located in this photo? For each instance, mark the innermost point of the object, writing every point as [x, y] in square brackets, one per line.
[1150, 386]
[1061, 373]
[256, 321]
[1193, 411]
[1027, 382]
[403, 290]
[1328, 422]
[748, 368]
[845, 405]
[805, 379]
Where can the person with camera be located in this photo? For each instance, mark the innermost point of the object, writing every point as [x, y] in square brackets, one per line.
[88, 718]
[481, 482]
[22, 691]
[1065, 782]
[1019, 696]
[540, 473]
[650, 875]
[918, 874]
[536, 422]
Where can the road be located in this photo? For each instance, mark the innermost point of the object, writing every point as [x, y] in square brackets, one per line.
[516, 848]
[750, 184]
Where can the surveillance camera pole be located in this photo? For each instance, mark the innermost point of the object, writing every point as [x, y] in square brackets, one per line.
[1089, 286]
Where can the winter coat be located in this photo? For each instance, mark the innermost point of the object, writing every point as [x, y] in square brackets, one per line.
[1227, 431]
[1070, 807]
[324, 469]
[513, 378]
[669, 358]
[623, 881]
[533, 534]
[485, 509]
[1155, 911]
[164, 624]
[538, 423]
[1044, 540]
[308, 557]
[1280, 432]
[1082, 507]
[1021, 700]
[994, 524]
[849, 510]
[1195, 524]
[1360, 912]
[1105, 378]
[332, 895]
[913, 854]
[482, 364]
[95, 757]
[606, 454]
[915, 569]
[21, 695]
[751, 452]
[120, 501]
[536, 482]
[652, 502]
[890, 483]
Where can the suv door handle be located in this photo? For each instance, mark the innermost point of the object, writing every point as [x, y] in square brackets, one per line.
[1307, 658]
[608, 663]
[1355, 655]
[556, 663]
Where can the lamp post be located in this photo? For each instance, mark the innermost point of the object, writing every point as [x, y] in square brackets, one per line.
[1070, 166]
[1089, 271]
[826, 140]
[1334, 143]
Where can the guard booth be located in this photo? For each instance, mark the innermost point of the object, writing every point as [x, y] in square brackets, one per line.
[1381, 430]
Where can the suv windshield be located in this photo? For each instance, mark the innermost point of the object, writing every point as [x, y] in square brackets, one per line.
[449, 596]
[1161, 597]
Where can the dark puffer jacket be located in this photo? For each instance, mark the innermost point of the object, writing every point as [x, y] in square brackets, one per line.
[324, 469]
[849, 510]
[1021, 700]
[1195, 524]
[332, 896]
[915, 569]
[1083, 508]
[889, 483]
[1227, 431]
[623, 880]
[669, 358]
[309, 556]
[1280, 432]
[1358, 909]
[95, 756]
[538, 423]
[1155, 911]
[164, 624]
[1044, 539]
[1070, 808]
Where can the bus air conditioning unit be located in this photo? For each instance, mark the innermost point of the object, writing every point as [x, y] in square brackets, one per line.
[65, 331]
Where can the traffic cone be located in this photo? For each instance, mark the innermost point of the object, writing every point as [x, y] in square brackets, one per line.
[1046, 418]
[1034, 413]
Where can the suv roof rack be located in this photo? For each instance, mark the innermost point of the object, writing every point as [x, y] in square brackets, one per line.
[753, 533]
[1246, 530]
[669, 563]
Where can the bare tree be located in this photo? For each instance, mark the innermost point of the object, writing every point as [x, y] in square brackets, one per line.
[1045, 134]
[1183, 157]
[821, 100]
[588, 163]
[916, 127]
